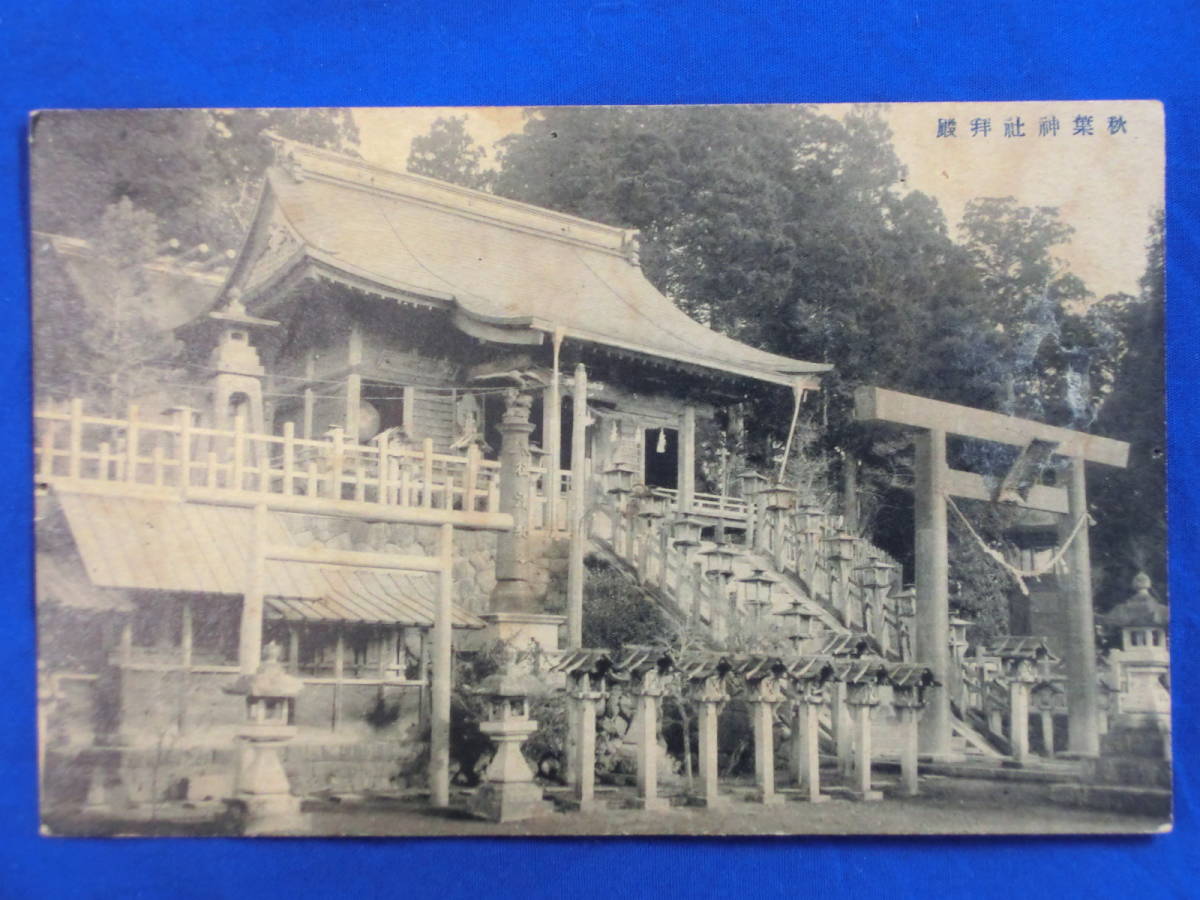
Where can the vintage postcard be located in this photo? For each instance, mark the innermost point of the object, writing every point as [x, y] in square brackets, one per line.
[601, 470]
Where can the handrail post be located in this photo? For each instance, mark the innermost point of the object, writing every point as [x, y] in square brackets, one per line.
[75, 452]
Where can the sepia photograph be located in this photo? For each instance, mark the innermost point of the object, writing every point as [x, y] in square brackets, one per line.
[601, 470]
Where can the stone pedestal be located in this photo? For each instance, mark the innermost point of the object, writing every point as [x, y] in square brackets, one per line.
[709, 795]
[806, 747]
[1021, 676]
[861, 699]
[583, 762]
[910, 742]
[647, 748]
[521, 629]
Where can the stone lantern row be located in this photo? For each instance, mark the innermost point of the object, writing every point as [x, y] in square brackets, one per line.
[802, 682]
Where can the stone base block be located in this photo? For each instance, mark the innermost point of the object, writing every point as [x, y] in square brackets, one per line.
[270, 814]
[508, 801]
[1013, 764]
[650, 804]
[592, 804]
[865, 796]
[771, 799]
[721, 801]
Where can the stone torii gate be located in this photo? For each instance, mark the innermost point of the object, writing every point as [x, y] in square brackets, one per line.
[935, 481]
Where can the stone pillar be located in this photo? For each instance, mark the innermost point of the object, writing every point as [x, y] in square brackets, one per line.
[649, 694]
[839, 721]
[1047, 720]
[513, 592]
[1083, 702]
[441, 675]
[1021, 676]
[708, 760]
[862, 698]
[933, 590]
[584, 749]
[908, 704]
[806, 746]
[764, 696]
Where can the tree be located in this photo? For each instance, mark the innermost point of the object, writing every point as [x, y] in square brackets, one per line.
[449, 153]
[1130, 504]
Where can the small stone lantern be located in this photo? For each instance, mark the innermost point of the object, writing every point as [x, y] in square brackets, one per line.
[719, 561]
[778, 498]
[809, 677]
[707, 680]
[756, 592]
[686, 532]
[803, 620]
[589, 675]
[509, 793]
[650, 670]
[618, 480]
[765, 678]
[862, 678]
[261, 786]
[651, 503]
[1047, 700]
[909, 682]
[750, 484]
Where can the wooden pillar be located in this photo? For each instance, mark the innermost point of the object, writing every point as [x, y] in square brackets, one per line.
[353, 400]
[294, 649]
[578, 510]
[806, 750]
[1083, 701]
[933, 587]
[439, 741]
[686, 479]
[250, 634]
[310, 402]
[339, 673]
[552, 438]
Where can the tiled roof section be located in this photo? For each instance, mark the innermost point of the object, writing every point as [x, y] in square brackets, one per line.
[495, 262]
[162, 545]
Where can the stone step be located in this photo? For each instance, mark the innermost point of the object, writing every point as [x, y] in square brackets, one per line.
[1144, 742]
[1130, 771]
[1143, 801]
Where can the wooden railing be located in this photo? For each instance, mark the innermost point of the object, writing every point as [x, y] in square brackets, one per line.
[179, 454]
[711, 505]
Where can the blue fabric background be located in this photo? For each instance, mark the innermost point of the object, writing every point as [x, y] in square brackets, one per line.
[63, 53]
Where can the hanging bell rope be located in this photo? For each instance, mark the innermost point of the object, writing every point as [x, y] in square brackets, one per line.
[1020, 575]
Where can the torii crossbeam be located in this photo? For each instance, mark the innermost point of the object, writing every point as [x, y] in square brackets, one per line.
[935, 481]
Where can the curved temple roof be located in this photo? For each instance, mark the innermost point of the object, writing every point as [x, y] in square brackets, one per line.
[510, 272]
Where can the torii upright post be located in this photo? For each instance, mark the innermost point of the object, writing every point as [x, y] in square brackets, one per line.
[935, 482]
[933, 587]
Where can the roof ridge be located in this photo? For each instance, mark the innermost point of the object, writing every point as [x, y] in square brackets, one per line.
[299, 160]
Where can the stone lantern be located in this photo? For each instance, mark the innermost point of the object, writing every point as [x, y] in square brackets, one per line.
[803, 621]
[618, 481]
[650, 671]
[1142, 660]
[261, 786]
[719, 561]
[589, 674]
[809, 677]
[909, 682]
[862, 679]
[756, 591]
[651, 503]
[750, 483]
[686, 532]
[1047, 699]
[765, 678]
[509, 793]
[707, 681]
[778, 498]
[841, 554]
[1020, 658]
